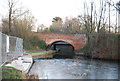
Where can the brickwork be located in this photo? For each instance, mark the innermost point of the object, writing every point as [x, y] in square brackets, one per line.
[76, 40]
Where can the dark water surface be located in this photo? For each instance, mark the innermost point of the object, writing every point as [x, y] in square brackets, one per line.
[74, 69]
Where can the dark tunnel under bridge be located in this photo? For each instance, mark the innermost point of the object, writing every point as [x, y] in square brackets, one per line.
[63, 49]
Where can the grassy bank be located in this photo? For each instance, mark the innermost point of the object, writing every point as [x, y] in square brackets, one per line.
[41, 54]
[11, 73]
[36, 52]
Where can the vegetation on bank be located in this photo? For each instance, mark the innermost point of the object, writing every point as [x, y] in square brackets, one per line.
[34, 43]
[39, 51]
[103, 46]
[36, 52]
[42, 54]
[11, 73]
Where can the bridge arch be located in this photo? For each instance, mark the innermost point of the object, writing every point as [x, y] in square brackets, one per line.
[53, 41]
[60, 42]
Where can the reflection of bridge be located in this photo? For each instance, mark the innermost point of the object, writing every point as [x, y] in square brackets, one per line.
[76, 40]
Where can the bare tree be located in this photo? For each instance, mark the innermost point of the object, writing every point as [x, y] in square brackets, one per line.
[91, 16]
[116, 21]
[14, 10]
[71, 25]
[117, 7]
[41, 28]
[104, 20]
[109, 15]
[88, 19]
[100, 18]
[57, 24]
[21, 27]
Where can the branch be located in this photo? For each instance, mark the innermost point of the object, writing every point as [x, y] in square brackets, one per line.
[114, 5]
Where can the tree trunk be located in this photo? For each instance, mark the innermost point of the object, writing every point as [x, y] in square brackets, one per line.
[109, 18]
[10, 12]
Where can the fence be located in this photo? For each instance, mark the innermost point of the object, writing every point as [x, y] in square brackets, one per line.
[12, 47]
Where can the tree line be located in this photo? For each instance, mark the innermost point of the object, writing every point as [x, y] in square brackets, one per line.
[92, 19]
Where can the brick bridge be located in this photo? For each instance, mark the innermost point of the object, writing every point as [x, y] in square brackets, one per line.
[76, 40]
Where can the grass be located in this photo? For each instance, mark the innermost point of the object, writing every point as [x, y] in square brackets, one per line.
[36, 51]
[42, 54]
[11, 73]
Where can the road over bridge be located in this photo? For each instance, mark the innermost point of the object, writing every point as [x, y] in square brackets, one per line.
[76, 40]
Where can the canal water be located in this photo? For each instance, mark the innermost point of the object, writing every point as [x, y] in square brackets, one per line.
[74, 69]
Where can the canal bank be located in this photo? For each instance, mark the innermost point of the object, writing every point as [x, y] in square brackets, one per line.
[18, 68]
[23, 63]
[41, 54]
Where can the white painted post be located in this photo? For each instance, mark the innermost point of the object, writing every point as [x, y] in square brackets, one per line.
[119, 22]
[0, 52]
[7, 44]
[0, 56]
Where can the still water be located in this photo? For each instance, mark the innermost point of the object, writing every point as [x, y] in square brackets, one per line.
[74, 69]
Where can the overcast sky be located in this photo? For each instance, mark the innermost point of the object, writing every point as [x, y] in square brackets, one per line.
[45, 10]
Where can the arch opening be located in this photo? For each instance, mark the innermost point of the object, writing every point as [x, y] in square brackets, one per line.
[63, 49]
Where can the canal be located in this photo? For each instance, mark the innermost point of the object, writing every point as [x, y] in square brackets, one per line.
[81, 68]
[65, 65]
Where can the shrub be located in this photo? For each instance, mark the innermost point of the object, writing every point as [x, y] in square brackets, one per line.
[27, 45]
[41, 44]
[87, 49]
[103, 46]
[33, 42]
